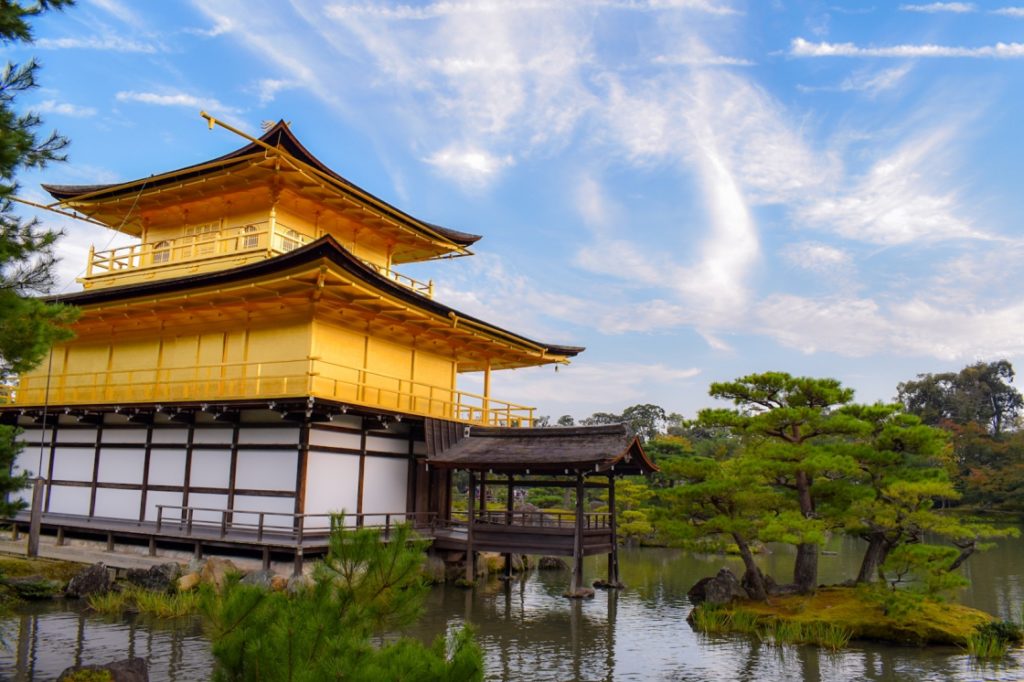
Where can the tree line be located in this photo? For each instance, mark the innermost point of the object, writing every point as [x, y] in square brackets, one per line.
[795, 460]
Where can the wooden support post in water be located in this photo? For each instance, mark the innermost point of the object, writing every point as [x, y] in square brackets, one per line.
[613, 556]
[577, 545]
[298, 561]
[152, 546]
[60, 536]
[266, 558]
[470, 507]
[110, 542]
[509, 494]
[197, 551]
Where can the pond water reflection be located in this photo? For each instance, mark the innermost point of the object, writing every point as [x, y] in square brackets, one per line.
[530, 632]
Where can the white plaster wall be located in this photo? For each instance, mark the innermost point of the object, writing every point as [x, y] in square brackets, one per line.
[268, 436]
[117, 504]
[124, 436]
[384, 486]
[391, 445]
[74, 436]
[332, 485]
[155, 497]
[348, 420]
[207, 500]
[122, 466]
[69, 500]
[32, 435]
[334, 439]
[210, 468]
[171, 434]
[282, 507]
[213, 435]
[266, 470]
[73, 464]
[28, 460]
[167, 467]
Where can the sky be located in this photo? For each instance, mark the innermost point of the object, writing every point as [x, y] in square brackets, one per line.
[695, 190]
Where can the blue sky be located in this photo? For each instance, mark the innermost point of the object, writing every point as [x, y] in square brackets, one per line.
[693, 189]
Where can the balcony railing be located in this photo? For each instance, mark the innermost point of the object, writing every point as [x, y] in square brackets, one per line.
[261, 239]
[276, 379]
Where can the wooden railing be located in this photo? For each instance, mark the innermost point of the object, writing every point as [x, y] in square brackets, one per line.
[278, 379]
[266, 238]
[530, 519]
[277, 527]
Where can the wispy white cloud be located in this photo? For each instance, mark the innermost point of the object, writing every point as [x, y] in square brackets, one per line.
[51, 106]
[221, 25]
[267, 89]
[445, 9]
[469, 166]
[1015, 12]
[120, 11]
[700, 60]
[803, 48]
[937, 7]
[896, 201]
[871, 83]
[110, 43]
[818, 257]
[177, 99]
[587, 387]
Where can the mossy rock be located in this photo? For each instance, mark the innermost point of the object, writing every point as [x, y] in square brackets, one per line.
[933, 623]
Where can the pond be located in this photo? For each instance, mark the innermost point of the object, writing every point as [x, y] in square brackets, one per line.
[530, 632]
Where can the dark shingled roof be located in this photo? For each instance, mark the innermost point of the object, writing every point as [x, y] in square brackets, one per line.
[547, 450]
[280, 135]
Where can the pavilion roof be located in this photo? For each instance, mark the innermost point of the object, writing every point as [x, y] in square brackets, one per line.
[551, 450]
[302, 269]
[280, 137]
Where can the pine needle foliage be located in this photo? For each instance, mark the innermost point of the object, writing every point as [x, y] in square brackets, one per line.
[331, 629]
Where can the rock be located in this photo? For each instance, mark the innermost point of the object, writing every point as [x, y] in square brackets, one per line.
[128, 670]
[433, 569]
[582, 593]
[93, 579]
[260, 578]
[278, 583]
[721, 589]
[298, 583]
[605, 585]
[160, 578]
[552, 563]
[215, 570]
[188, 582]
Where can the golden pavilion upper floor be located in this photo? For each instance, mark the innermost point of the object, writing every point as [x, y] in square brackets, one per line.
[265, 275]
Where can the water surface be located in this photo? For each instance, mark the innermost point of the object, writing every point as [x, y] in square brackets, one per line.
[530, 632]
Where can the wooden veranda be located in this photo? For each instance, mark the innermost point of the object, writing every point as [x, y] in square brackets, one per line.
[577, 458]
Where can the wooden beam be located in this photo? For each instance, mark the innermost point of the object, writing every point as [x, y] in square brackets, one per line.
[145, 471]
[470, 553]
[96, 467]
[613, 556]
[577, 546]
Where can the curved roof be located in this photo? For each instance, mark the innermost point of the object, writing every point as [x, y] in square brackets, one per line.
[280, 135]
[550, 450]
[324, 248]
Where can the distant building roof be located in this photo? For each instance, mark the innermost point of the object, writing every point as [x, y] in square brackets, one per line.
[552, 450]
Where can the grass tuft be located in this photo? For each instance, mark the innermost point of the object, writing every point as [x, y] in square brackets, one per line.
[992, 641]
[157, 604]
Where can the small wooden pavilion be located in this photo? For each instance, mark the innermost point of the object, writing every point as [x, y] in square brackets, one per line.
[578, 458]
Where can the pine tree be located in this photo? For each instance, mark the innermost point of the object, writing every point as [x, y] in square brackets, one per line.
[28, 326]
[363, 590]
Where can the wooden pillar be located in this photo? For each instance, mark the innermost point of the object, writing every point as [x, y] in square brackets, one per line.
[577, 546]
[487, 394]
[470, 554]
[49, 468]
[362, 472]
[96, 466]
[613, 556]
[509, 492]
[147, 456]
[187, 483]
[301, 467]
[483, 496]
